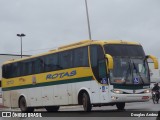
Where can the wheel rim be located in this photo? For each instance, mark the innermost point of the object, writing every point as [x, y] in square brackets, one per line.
[22, 104]
[154, 99]
[84, 101]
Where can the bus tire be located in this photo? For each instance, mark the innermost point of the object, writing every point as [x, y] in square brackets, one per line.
[52, 108]
[86, 102]
[23, 106]
[120, 106]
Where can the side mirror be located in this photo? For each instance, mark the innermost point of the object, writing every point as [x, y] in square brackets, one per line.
[110, 61]
[154, 59]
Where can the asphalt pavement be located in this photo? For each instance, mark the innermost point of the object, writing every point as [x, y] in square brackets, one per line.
[100, 113]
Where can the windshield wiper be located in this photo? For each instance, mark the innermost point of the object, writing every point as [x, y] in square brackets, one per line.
[138, 73]
[127, 73]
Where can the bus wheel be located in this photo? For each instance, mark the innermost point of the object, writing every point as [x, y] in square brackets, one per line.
[120, 106]
[86, 102]
[52, 108]
[23, 106]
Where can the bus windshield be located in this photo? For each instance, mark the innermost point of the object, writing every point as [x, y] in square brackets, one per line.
[129, 71]
[130, 66]
[124, 50]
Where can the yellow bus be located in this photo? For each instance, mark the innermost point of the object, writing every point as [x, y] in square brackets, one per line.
[88, 73]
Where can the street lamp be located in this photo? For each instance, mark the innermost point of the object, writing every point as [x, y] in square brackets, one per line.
[89, 30]
[21, 35]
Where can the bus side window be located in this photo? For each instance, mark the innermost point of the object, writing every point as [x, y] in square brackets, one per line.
[51, 62]
[81, 57]
[38, 66]
[98, 62]
[66, 59]
[11, 70]
[102, 68]
[4, 71]
[16, 69]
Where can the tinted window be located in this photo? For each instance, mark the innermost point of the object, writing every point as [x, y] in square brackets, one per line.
[124, 50]
[94, 56]
[66, 59]
[51, 62]
[27, 67]
[38, 65]
[98, 62]
[11, 70]
[81, 57]
[63, 60]
[16, 70]
[5, 71]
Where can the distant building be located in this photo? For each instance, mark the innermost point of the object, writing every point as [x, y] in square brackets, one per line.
[6, 57]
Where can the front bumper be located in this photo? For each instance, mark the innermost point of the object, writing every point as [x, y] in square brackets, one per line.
[130, 97]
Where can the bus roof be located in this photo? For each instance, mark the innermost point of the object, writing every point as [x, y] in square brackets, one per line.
[75, 45]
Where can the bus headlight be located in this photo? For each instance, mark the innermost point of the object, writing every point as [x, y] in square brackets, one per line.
[147, 91]
[117, 91]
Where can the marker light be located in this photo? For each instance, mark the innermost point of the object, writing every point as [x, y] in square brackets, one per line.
[147, 91]
[145, 97]
[117, 91]
[114, 98]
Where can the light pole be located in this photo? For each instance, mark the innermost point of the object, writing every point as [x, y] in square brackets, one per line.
[21, 35]
[89, 30]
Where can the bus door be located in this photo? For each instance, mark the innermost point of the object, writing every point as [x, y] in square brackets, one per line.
[103, 79]
[98, 65]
